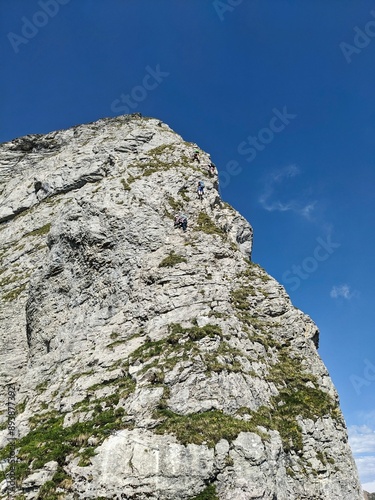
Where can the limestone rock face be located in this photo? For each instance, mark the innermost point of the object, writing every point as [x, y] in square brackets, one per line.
[150, 362]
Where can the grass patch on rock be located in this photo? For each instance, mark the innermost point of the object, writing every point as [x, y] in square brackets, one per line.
[202, 428]
[14, 294]
[299, 395]
[205, 224]
[182, 192]
[259, 329]
[295, 400]
[59, 480]
[254, 271]
[182, 344]
[116, 343]
[208, 493]
[159, 159]
[176, 205]
[239, 297]
[124, 385]
[40, 231]
[125, 185]
[172, 259]
[225, 358]
[8, 280]
[49, 440]
[195, 333]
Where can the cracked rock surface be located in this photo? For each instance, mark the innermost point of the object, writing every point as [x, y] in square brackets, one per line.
[148, 362]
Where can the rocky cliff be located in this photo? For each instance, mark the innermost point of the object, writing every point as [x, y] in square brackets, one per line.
[148, 362]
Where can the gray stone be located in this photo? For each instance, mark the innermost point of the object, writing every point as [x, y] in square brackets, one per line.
[167, 353]
[39, 477]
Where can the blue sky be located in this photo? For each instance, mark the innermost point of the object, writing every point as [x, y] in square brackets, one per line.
[279, 92]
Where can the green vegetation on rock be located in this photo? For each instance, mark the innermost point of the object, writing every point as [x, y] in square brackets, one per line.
[160, 159]
[159, 150]
[180, 345]
[205, 224]
[208, 493]
[293, 401]
[40, 231]
[259, 329]
[254, 271]
[8, 280]
[324, 458]
[125, 185]
[225, 358]
[121, 387]
[182, 192]
[116, 343]
[172, 259]
[239, 297]
[49, 440]
[299, 394]
[194, 333]
[176, 205]
[13, 294]
[59, 480]
[202, 428]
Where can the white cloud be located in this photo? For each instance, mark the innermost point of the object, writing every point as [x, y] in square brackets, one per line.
[362, 439]
[367, 418]
[275, 205]
[274, 179]
[362, 443]
[308, 209]
[341, 291]
[366, 468]
[285, 172]
[369, 487]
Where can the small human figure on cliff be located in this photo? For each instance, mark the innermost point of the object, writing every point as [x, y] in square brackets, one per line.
[41, 189]
[181, 221]
[212, 169]
[200, 189]
[196, 155]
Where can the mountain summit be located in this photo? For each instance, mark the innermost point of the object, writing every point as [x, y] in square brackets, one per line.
[149, 362]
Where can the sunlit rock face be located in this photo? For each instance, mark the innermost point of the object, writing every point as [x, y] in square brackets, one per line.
[151, 362]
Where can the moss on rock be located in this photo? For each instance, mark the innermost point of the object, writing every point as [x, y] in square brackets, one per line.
[205, 224]
[208, 493]
[172, 260]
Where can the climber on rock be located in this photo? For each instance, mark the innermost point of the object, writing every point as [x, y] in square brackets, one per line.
[200, 189]
[184, 223]
[41, 189]
[212, 169]
[196, 155]
[181, 221]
